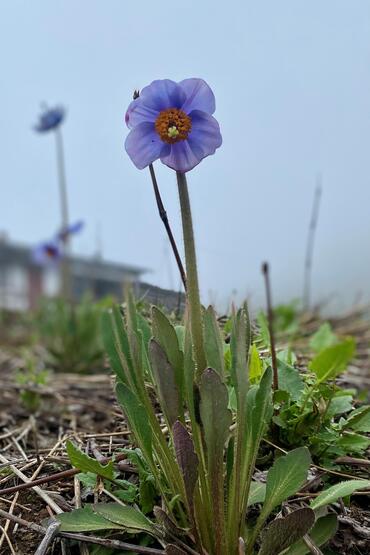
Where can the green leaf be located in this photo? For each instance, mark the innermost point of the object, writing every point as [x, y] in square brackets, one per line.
[359, 419]
[338, 490]
[189, 373]
[215, 416]
[333, 360]
[180, 332]
[145, 330]
[85, 520]
[323, 530]
[147, 489]
[259, 410]
[280, 396]
[137, 418]
[165, 382]
[216, 420]
[127, 517]
[258, 415]
[323, 338]
[290, 380]
[128, 493]
[88, 479]
[112, 347]
[283, 532]
[239, 346]
[257, 493]
[339, 405]
[285, 477]
[353, 443]
[213, 343]
[287, 356]
[263, 328]
[87, 464]
[255, 365]
[164, 333]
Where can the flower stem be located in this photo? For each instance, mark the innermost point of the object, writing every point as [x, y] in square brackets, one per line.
[270, 317]
[310, 245]
[164, 218]
[65, 263]
[194, 306]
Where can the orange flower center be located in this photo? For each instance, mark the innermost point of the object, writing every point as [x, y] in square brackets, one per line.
[51, 252]
[173, 125]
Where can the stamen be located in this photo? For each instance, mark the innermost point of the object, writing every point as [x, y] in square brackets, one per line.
[173, 125]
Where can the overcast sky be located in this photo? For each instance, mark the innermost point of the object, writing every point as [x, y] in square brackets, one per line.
[292, 86]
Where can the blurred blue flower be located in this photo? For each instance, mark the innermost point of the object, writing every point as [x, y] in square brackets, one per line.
[47, 253]
[173, 122]
[65, 233]
[50, 119]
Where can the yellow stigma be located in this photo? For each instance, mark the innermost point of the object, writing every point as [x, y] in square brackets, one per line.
[173, 125]
[173, 132]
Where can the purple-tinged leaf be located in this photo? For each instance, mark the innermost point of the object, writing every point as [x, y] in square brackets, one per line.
[283, 532]
[168, 524]
[186, 458]
[216, 420]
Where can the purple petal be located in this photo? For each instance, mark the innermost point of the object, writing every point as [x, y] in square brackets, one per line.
[205, 133]
[70, 230]
[144, 145]
[162, 94]
[46, 253]
[199, 96]
[138, 113]
[203, 140]
[76, 227]
[50, 119]
[181, 157]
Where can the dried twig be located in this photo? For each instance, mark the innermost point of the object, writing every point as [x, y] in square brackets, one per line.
[34, 483]
[353, 461]
[77, 488]
[38, 490]
[311, 545]
[113, 544]
[51, 478]
[7, 523]
[5, 534]
[51, 532]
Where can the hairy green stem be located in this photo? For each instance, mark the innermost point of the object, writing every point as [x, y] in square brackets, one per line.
[195, 309]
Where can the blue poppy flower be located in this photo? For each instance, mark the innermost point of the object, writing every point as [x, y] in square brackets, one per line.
[47, 253]
[173, 122]
[50, 119]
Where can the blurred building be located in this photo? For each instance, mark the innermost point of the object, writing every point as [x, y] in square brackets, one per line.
[23, 281]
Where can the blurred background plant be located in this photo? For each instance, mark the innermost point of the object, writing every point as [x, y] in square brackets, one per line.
[15, 328]
[71, 334]
[30, 377]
